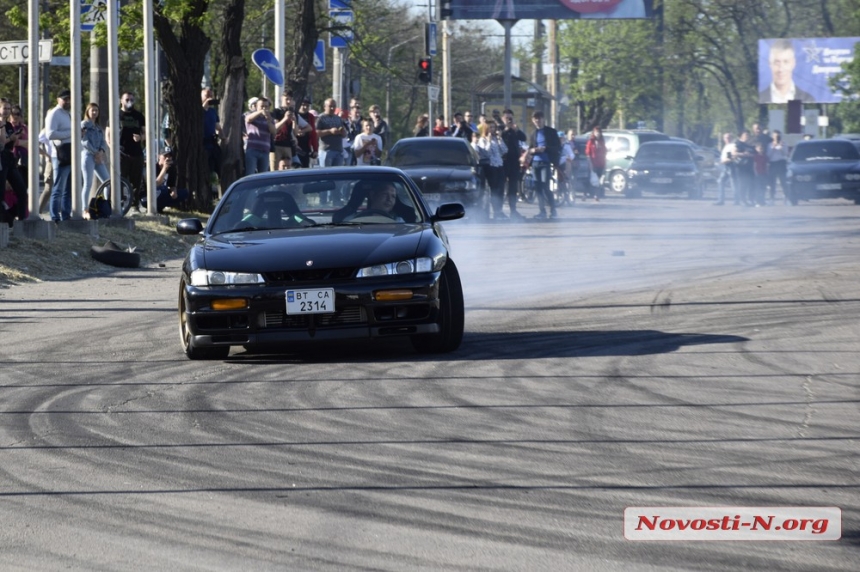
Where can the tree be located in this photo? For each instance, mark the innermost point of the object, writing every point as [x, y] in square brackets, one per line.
[617, 64]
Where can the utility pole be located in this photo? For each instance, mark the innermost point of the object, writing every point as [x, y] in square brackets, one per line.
[553, 73]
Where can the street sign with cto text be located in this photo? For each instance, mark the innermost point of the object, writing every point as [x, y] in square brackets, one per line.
[19, 52]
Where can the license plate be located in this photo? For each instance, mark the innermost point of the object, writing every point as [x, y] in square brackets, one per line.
[828, 186]
[661, 180]
[310, 301]
[432, 196]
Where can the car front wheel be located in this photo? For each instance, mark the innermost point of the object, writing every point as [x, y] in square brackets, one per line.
[191, 351]
[618, 181]
[451, 315]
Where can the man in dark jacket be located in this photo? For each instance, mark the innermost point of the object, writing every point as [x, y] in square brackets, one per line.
[545, 152]
[512, 137]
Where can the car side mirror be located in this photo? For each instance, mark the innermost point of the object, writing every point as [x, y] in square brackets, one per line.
[628, 158]
[189, 226]
[699, 158]
[449, 211]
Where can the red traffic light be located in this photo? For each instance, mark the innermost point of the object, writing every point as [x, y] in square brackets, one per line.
[425, 70]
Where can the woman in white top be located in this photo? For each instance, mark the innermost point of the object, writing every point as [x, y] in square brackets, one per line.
[367, 146]
[491, 147]
[777, 157]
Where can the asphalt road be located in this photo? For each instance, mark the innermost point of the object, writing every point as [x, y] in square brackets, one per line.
[652, 352]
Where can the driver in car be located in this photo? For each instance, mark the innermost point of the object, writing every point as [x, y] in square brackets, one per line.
[380, 201]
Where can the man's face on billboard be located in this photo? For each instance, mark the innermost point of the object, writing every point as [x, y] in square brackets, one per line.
[782, 66]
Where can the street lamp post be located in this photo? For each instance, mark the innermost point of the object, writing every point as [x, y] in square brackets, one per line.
[388, 83]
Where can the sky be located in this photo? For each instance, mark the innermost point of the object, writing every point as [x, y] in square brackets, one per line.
[522, 32]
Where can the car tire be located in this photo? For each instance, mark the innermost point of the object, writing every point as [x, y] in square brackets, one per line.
[618, 182]
[191, 351]
[451, 315]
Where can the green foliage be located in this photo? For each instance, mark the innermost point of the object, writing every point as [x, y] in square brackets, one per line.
[614, 68]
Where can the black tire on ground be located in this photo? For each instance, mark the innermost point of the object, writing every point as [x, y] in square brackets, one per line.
[451, 315]
[192, 352]
[113, 255]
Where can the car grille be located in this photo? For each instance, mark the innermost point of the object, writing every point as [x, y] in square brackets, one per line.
[348, 315]
[291, 277]
[429, 186]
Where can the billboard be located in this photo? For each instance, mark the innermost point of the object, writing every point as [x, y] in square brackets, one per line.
[801, 68]
[545, 9]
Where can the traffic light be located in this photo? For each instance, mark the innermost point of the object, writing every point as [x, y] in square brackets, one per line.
[425, 70]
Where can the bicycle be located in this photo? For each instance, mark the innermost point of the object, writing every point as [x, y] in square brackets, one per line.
[126, 195]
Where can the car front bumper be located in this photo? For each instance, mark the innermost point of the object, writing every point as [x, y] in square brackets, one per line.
[825, 190]
[358, 313]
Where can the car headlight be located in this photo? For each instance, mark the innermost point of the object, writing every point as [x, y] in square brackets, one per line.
[459, 186]
[203, 277]
[685, 174]
[803, 178]
[414, 266]
[852, 177]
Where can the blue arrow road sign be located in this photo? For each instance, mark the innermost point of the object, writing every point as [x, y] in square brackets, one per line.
[319, 56]
[265, 59]
[339, 4]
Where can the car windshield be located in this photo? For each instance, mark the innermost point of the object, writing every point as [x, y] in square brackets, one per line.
[826, 151]
[325, 198]
[664, 153]
[429, 151]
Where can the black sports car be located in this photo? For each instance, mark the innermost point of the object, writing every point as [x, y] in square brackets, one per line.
[664, 167]
[281, 262]
[824, 168]
[444, 168]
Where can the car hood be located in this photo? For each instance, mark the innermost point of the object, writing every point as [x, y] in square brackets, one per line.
[317, 247]
[825, 166]
[664, 165]
[447, 173]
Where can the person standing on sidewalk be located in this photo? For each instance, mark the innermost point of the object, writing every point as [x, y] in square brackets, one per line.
[513, 138]
[132, 136]
[727, 170]
[545, 152]
[58, 129]
[595, 148]
[331, 132]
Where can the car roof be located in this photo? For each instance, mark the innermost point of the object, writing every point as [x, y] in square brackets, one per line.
[322, 173]
[823, 141]
[435, 140]
[633, 131]
[669, 143]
